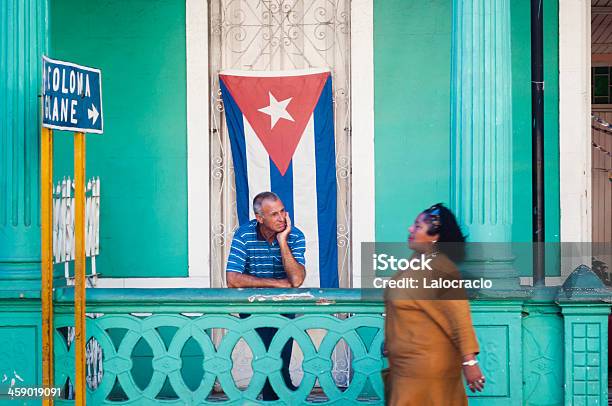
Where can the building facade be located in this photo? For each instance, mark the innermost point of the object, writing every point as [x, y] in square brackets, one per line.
[432, 104]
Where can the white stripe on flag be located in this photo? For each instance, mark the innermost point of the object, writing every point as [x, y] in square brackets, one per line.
[305, 201]
[258, 165]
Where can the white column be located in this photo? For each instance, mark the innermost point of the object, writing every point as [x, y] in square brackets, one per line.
[198, 141]
[362, 139]
[575, 128]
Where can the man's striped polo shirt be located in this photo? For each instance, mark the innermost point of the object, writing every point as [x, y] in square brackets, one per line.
[251, 254]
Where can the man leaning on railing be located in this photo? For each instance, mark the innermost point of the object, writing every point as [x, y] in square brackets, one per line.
[268, 253]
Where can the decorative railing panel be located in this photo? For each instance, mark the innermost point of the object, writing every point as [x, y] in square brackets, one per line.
[172, 363]
[180, 346]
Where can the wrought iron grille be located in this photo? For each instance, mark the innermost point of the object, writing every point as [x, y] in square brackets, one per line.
[277, 35]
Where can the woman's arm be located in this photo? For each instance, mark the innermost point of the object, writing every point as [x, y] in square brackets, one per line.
[473, 374]
[455, 318]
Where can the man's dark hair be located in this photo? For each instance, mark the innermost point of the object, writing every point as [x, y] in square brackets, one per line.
[259, 199]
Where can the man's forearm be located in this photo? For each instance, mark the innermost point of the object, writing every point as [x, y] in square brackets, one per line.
[295, 271]
[239, 280]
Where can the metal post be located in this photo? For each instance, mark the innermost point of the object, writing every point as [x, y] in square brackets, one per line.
[537, 140]
[46, 220]
[79, 267]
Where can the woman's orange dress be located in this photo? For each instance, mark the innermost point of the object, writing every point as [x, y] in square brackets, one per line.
[426, 341]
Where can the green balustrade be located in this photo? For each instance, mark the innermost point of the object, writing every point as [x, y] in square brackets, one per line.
[161, 346]
[343, 315]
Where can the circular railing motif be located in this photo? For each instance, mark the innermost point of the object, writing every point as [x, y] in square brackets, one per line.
[366, 361]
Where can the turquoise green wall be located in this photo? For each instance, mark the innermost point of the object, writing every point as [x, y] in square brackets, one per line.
[141, 159]
[521, 120]
[521, 127]
[20, 345]
[412, 51]
[142, 156]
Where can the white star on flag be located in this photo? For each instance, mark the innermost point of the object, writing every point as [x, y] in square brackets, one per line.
[277, 110]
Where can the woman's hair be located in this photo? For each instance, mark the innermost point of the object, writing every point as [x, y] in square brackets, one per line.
[443, 222]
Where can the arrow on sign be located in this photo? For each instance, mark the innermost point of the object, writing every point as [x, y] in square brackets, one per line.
[93, 113]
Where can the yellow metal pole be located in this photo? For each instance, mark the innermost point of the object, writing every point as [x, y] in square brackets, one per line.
[46, 203]
[79, 267]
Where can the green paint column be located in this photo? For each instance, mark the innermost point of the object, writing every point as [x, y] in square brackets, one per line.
[481, 134]
[586, 353]
[542, 347]
[498, 329]
[584, 302]
[23, 27]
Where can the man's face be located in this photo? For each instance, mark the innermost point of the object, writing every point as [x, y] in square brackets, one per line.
[272, 215]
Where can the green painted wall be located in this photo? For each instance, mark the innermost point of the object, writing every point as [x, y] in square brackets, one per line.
[521, 120]
[412, 60]
[20, 349]
[142, 156]
[412, 51]
[141, 159]
[521, 126]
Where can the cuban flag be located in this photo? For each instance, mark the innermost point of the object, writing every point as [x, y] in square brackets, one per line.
[281, 129]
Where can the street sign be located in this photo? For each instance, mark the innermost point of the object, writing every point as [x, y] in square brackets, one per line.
[72, 97]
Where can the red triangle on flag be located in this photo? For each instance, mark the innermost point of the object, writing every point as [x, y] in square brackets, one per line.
[277, 108]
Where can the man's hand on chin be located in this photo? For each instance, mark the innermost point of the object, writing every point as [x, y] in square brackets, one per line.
[282, 236]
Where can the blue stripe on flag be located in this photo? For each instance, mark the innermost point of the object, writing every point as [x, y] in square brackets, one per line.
[325, 156]
[283, 186]
[235, 125]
